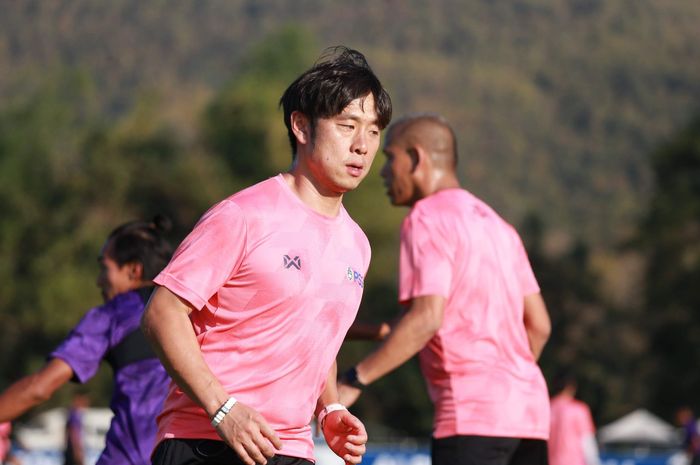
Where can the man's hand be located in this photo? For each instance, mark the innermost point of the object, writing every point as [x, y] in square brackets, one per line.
[347, 394]
[247, 432]
[345, 435]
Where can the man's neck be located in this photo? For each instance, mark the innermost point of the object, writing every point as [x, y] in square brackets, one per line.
[327, 204]
[440, 183]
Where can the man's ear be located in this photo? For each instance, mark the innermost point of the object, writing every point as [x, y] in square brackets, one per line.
[419, 157]
[301, 127]
[413, 153]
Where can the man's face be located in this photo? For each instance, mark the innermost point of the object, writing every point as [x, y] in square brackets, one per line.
[343, 146]
[398, 171]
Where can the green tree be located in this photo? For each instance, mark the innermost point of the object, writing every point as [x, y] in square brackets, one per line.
[671, 238]
[68, 177]
[598, 340]
[242, 124]
[48, 268]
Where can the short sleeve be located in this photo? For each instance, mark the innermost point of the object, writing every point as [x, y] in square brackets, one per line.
[86, 344]
[425, 260]
[587, 424]
[208, 256]
[526, 276]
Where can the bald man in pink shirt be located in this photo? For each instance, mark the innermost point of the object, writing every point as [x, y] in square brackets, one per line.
[251, 311]
[474, 310]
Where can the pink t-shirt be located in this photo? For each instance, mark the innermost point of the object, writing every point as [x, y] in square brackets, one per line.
[5, 443]
[571, 423]
[481, 374]
[275, 286]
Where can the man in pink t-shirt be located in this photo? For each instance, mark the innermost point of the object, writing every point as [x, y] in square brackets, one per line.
[572, 434]
[474, 310]
[253, 307]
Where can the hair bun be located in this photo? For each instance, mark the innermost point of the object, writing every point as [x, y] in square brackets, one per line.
[162, 223]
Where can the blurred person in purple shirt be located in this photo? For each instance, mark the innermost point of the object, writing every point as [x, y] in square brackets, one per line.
[75, 451]
[132, 256]
[691, 437]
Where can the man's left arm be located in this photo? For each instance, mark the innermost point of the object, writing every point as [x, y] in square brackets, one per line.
[537, 323]
[418, 325]
[344, 433]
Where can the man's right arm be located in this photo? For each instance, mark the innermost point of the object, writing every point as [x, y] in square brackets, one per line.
[167, 324]
[33, 389]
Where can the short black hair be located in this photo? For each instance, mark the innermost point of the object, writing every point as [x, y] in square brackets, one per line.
[142, 242]
[340, 76]
[562, 379]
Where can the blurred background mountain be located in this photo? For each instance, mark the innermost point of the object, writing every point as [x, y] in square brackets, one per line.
[576, 119]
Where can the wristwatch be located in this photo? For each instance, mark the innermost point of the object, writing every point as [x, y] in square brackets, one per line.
[350, 378]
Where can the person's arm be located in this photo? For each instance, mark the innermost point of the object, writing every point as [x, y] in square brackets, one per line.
[590, 449]
[166, 323]
[34, 389]
[537, 323]
[330, 391]
[344, 433]
[368, 331]
[407, 338]
[75, 437]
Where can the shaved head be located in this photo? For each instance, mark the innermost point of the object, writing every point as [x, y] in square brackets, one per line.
[421, 158]
[430, 131]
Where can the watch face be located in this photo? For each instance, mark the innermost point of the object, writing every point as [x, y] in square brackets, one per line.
[350, 378]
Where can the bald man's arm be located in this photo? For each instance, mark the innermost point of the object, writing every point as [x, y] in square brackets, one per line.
[537, 323]
[412, 332]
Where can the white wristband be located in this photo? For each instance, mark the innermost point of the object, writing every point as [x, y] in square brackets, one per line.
[328, 409]
[223, 410]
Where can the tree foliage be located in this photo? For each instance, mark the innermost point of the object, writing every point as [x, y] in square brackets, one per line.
[598, 340]
[559, 100]
[242, 122]
[670, 235]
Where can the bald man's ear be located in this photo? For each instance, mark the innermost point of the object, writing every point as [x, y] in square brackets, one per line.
[415, 158]
[419, 157]
[301, 127]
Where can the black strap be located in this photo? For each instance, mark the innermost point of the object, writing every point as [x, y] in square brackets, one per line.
[134, 347]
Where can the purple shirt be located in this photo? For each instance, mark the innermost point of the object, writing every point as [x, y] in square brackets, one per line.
[690, 434]
[140, 381]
